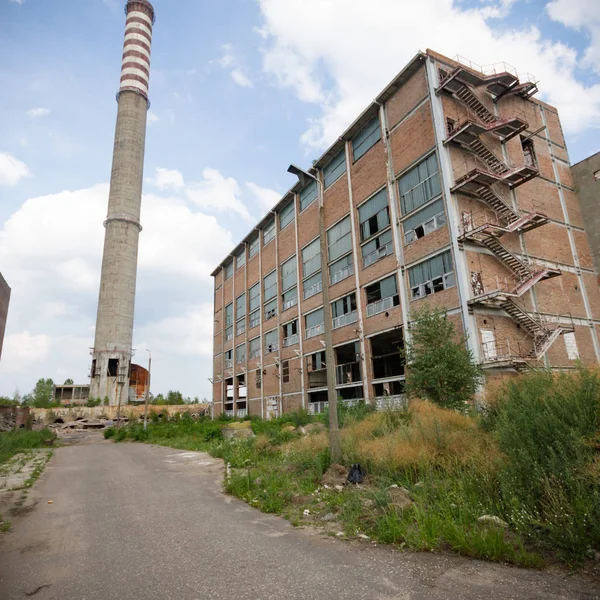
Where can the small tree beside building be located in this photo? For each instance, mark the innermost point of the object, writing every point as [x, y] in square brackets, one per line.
[440, 367]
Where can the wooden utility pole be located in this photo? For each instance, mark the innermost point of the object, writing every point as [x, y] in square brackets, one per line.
[335, 443]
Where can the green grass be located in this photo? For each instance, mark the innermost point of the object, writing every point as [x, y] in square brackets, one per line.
[533, 461]
[22, 440]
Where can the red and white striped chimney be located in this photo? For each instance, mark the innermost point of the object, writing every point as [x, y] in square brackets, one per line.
[135, 69]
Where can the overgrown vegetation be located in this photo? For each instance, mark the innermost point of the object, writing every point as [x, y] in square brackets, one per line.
[22, 440]
[442, 368]
[530, 465]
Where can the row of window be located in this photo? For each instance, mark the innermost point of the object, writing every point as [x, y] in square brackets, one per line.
[428, 277]
[419, 187]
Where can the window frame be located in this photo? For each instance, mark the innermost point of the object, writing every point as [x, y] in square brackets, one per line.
[375, 307]
[292, 213]
[228, 269]
[253, 353]
[239, 265]
[367, 138]
[254, 247]
[334, 169]
[317, 328]
[308, 188]
[439, 220]
[269, 232]
[433, 285]
[402, 196]
[274, 345]
[237, 357]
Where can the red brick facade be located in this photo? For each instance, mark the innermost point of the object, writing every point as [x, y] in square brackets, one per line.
[482, 220]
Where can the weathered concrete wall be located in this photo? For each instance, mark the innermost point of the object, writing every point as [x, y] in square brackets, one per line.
[13, 417]
[4, 300]
[587, 182]
[49, 415]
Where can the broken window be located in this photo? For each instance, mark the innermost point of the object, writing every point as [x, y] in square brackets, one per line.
[387, 354]
[93, 371]
[382, 295]
[348, 369]
[374, 220]
[450, 124]
[113, 367]
[271, 341]
[344, 311]
[424, 222]
[290, 333]
[432, 276]
[529, 153]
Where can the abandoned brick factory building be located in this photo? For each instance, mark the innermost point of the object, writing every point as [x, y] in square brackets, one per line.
[453, 188]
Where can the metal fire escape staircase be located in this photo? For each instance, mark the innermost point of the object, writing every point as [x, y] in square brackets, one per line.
[481, 183]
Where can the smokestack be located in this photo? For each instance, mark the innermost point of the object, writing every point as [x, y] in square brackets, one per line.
[114, 324]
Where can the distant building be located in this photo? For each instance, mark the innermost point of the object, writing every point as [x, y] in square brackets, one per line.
[587, 181]
[452, 189]
[4, 300]
[71, 395]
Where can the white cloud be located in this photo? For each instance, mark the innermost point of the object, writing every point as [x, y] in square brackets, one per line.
[266, 197]
[152, 117]
[22, 350]
[12, 170]
[55, 279]
[18, 1]
[309, 49]
[166, 178]
[581, 15]
[240, 78]
[220, 193]
[231, 63]
[38, 113]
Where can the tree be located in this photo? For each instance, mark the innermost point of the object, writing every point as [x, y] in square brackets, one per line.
[440, 366]
[175, 397]
[41, 395]
[69, 382]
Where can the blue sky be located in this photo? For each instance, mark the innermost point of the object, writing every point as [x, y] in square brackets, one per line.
[239, 90]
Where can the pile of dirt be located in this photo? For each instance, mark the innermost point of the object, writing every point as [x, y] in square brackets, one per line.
[335, 475]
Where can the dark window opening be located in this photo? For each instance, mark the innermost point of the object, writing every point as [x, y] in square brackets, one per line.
[529, 153]
[348, 369]
[93, 373]
[351, 393]
[228, 390]
[389, 388]
[318, 396]
[113, 367]
[241, 388]
[419, 232]
[450, 123]
[285, 371]
[387, 352]
[316, 367]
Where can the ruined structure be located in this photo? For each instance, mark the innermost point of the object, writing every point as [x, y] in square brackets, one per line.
[4, 302]
[112, 352]
[452, 189]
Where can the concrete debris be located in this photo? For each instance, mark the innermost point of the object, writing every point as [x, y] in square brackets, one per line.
[492, 520]
[335, 476]
[312, 428]
[237, 430]
[400, 498]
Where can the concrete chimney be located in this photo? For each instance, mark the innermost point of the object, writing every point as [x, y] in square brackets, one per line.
[112, 350]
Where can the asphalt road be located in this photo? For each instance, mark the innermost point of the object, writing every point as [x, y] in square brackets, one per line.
[136, 521]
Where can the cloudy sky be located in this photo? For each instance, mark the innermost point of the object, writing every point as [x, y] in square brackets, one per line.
[239, 89]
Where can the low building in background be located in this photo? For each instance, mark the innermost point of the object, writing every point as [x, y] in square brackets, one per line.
[4, 302]
[71, 394]
[452, 189]
[587, 183]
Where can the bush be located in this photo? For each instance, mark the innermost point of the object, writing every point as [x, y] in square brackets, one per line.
[442, 368]
[548, 427]
[109, 432]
